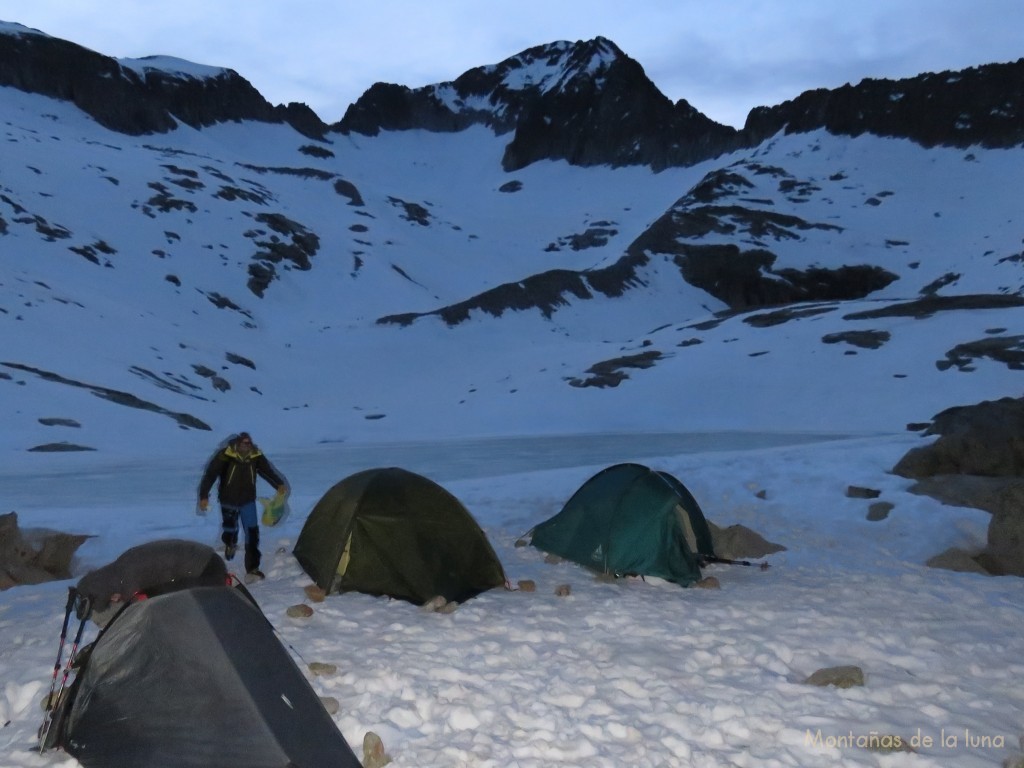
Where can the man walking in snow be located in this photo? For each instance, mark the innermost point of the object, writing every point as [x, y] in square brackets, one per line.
[235, 468]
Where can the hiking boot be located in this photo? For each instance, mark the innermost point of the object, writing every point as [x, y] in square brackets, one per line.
[254, 575]
[229, 552]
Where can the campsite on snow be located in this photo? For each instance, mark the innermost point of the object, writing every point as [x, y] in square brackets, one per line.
[632, 441]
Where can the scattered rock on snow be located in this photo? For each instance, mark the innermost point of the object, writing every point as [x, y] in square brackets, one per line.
[859, 492]
[314, 593]
[563, 590]
[322, 669]
[374, 755]
[527, 585]
[879, 510]
[300, 611]
[708, 582]
[738, 541]
[331, 704]
[434, 604]
[845, 676]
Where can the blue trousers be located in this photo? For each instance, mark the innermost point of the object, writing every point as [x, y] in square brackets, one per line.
[230, 517]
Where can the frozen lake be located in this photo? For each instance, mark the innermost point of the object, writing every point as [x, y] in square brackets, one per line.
[464, 459]
[312, 471]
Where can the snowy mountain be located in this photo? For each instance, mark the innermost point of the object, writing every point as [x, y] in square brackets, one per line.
[507, 282]
[548, 234]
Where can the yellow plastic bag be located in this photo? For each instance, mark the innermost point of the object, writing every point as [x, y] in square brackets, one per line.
[274, 509]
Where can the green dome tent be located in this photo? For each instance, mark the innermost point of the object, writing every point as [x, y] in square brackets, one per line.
[630, 520]
[392, 532]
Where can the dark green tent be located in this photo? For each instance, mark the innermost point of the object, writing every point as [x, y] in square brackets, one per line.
[630, 520]
[392, 532]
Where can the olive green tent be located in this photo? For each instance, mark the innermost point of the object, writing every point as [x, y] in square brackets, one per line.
[392, 532]
[630, 520]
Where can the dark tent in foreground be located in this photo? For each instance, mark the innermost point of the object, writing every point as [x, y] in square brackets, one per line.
[193, 679]
[630, 520]
[392, 532]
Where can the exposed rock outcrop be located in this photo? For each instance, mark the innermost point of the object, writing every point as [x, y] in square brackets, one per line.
[981, 105]
[588, 103]
[139, 96]
[978, 461]
[584, 102]
[34, 557]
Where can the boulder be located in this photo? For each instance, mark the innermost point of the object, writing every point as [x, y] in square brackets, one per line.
[846, 676]
[977, 461]
[1006, 531]
[986, 439]
[34, 557]
[879, 510]
[738, 541]
[374, 755]
[954, 559]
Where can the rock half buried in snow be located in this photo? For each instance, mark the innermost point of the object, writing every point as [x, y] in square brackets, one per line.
[315, 593]
[331, 704]
[846, 676]
[374, 755]
[738, 541]
[322, 669]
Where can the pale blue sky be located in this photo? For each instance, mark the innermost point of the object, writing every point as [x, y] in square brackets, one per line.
[724, 57]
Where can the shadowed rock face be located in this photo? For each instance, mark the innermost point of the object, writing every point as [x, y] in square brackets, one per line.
[593, 105]
[978, 461]
[34, 557]
[123, 100]
[584, 112]
[613, 114]
[986, 439]
[981, 105]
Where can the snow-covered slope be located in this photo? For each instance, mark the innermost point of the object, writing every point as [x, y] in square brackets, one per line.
[210, 279]
[160, 291]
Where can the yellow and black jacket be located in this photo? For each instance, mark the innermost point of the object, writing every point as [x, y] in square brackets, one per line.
[237, 475]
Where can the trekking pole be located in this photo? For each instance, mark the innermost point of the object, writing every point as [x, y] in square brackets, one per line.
[72, 595]
[48, 722]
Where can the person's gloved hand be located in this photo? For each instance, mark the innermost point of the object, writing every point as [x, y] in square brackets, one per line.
[204, 504]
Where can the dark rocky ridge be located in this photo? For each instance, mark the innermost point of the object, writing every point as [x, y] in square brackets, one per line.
[120, 99]
[616, 116]
[591, 115]
[590, 104]
[976, 106]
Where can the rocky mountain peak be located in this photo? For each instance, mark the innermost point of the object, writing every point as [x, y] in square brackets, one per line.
[584, 102]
